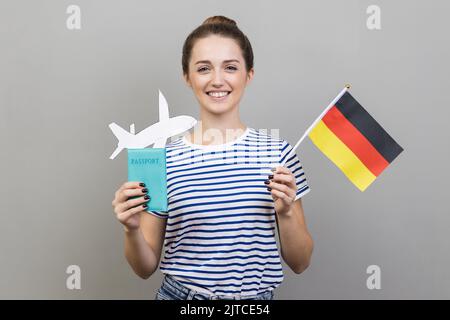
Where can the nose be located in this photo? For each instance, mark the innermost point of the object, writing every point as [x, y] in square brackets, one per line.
[217, 80]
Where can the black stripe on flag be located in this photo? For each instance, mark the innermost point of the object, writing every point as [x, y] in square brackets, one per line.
[369, 127]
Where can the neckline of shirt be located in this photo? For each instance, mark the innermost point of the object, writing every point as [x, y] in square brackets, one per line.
[216, 146]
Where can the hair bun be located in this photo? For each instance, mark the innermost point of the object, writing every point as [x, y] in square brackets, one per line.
[220, 20]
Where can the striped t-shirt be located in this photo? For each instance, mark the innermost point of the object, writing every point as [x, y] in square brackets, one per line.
[220, 232]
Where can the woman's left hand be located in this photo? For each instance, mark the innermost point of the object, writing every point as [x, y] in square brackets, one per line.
[283, 187]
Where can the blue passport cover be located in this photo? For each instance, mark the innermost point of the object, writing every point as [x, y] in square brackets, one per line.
[148, 165]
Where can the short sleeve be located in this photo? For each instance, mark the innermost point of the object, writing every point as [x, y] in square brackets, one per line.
[160, 214]
[293, 163]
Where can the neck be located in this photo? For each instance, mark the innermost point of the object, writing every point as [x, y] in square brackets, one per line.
[217, 128]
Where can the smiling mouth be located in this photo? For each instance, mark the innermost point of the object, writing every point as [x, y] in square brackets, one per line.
[218, 94]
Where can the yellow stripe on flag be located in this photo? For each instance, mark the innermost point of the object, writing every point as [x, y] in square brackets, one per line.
[341, 156]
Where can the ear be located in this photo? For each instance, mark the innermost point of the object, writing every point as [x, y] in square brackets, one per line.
[250, 75]
[186, 79]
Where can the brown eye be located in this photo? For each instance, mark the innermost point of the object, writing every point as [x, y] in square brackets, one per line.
[202, 69]
[233, 68]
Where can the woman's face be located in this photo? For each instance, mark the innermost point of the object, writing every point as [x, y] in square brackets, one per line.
[217, 73]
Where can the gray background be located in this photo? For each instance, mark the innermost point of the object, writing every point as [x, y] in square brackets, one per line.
[59, 89]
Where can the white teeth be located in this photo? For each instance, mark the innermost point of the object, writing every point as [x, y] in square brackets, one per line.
[218, 94]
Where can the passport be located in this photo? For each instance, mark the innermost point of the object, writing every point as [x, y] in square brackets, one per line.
[148, 165]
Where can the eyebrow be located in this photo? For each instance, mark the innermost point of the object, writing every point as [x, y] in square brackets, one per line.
[209, 62]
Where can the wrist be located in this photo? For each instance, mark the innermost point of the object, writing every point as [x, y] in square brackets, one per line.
[286, 215]
[130, 231]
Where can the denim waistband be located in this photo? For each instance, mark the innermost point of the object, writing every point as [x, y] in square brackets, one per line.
[178, 289]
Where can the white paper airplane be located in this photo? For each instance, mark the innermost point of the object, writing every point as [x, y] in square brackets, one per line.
[156, 134]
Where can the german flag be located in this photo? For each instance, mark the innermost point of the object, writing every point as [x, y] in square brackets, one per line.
[349, 136]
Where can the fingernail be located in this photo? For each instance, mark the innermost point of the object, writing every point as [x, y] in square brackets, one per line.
[142, 184]
[273, 169]
[144, 190]
[271, 176]
[145, 205]
[269, 188]
[266, 182]
[147, 197]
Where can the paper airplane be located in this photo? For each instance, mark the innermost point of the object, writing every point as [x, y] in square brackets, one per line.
[156, 134]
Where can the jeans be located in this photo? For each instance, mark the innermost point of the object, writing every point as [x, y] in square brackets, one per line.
[171, 289]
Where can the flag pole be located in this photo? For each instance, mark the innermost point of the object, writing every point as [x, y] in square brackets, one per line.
[347, 86]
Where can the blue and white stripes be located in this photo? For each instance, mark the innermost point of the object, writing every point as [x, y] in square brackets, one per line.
[220, 231]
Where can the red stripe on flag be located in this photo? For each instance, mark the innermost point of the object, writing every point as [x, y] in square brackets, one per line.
[355, 141]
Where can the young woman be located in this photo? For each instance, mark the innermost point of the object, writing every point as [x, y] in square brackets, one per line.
[219, 232]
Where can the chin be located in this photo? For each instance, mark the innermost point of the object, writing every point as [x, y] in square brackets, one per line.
[218, 108]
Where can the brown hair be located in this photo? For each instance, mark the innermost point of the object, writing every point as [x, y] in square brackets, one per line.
[218, 25]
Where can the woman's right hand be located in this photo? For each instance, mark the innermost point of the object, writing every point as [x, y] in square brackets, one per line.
[128, 211]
